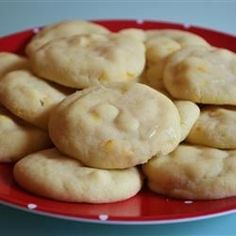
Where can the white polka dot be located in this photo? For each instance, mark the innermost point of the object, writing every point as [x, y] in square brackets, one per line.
[188, 202]
[140, 21]
[31, 206]
[103, 217]
[35, 30]
[187, 26]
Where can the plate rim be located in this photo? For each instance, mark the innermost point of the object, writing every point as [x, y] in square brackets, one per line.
[116, 222]
[132, 20]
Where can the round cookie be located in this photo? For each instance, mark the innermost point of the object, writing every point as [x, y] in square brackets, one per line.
[215, 128]
[18, 138]
[134, 32]
[85, 60]
[189, 113]
[202, 74]
[61, 30]
[10, 61]
[30, 97]
[183, 38]
[193, 172]
[51, 174]
[115, 126]
[160, 44]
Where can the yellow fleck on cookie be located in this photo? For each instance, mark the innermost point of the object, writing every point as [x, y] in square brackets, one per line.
[202, 74]
[62, 30]
[51, 174]
[85, 60]
[189, 113]
[160, 44]
[193, 172]
[115, 126]
[30, 97]
[215, 128]
[18, 138]
[10, 61]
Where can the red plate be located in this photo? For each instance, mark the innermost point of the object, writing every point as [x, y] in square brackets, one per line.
[146, 207]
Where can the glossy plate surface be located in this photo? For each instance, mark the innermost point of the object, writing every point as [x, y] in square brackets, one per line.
[146, 207]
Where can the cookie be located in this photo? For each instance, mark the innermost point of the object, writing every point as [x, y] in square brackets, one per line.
[193, 172]
[183, 38]
[189, 113]
[85, 60]
[202, 74]
[118, 125]
[215, 128]
[134, 32]
[51, 174]
[19, 138]
[30, 97]
[160, 44]
[10, 61]
[62, 30]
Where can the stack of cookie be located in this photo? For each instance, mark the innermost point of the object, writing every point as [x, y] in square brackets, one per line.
[88, 110]
[185, 67]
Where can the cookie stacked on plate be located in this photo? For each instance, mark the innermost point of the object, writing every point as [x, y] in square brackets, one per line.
[190, 69]
[112, 105]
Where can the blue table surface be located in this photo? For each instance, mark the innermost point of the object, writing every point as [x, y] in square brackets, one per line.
[19, 15]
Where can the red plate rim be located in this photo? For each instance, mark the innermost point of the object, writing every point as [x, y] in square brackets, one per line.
[118, 220]
[15, 42]
[53, 208]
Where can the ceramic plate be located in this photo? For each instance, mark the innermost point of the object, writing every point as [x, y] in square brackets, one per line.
[146, 207]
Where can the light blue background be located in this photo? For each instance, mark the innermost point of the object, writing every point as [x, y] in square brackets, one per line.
[18, 15]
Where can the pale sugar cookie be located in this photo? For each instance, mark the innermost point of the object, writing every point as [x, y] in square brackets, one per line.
[216, 127]
[115, 126]
[10, 61]
[160, 44]
[51, 174]
[189, 113]
[86, 60]
[193, 172]
[30, 97]
[134, 32]
[18, 138]
[183, 38]
[202, 74]
[62, 30]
